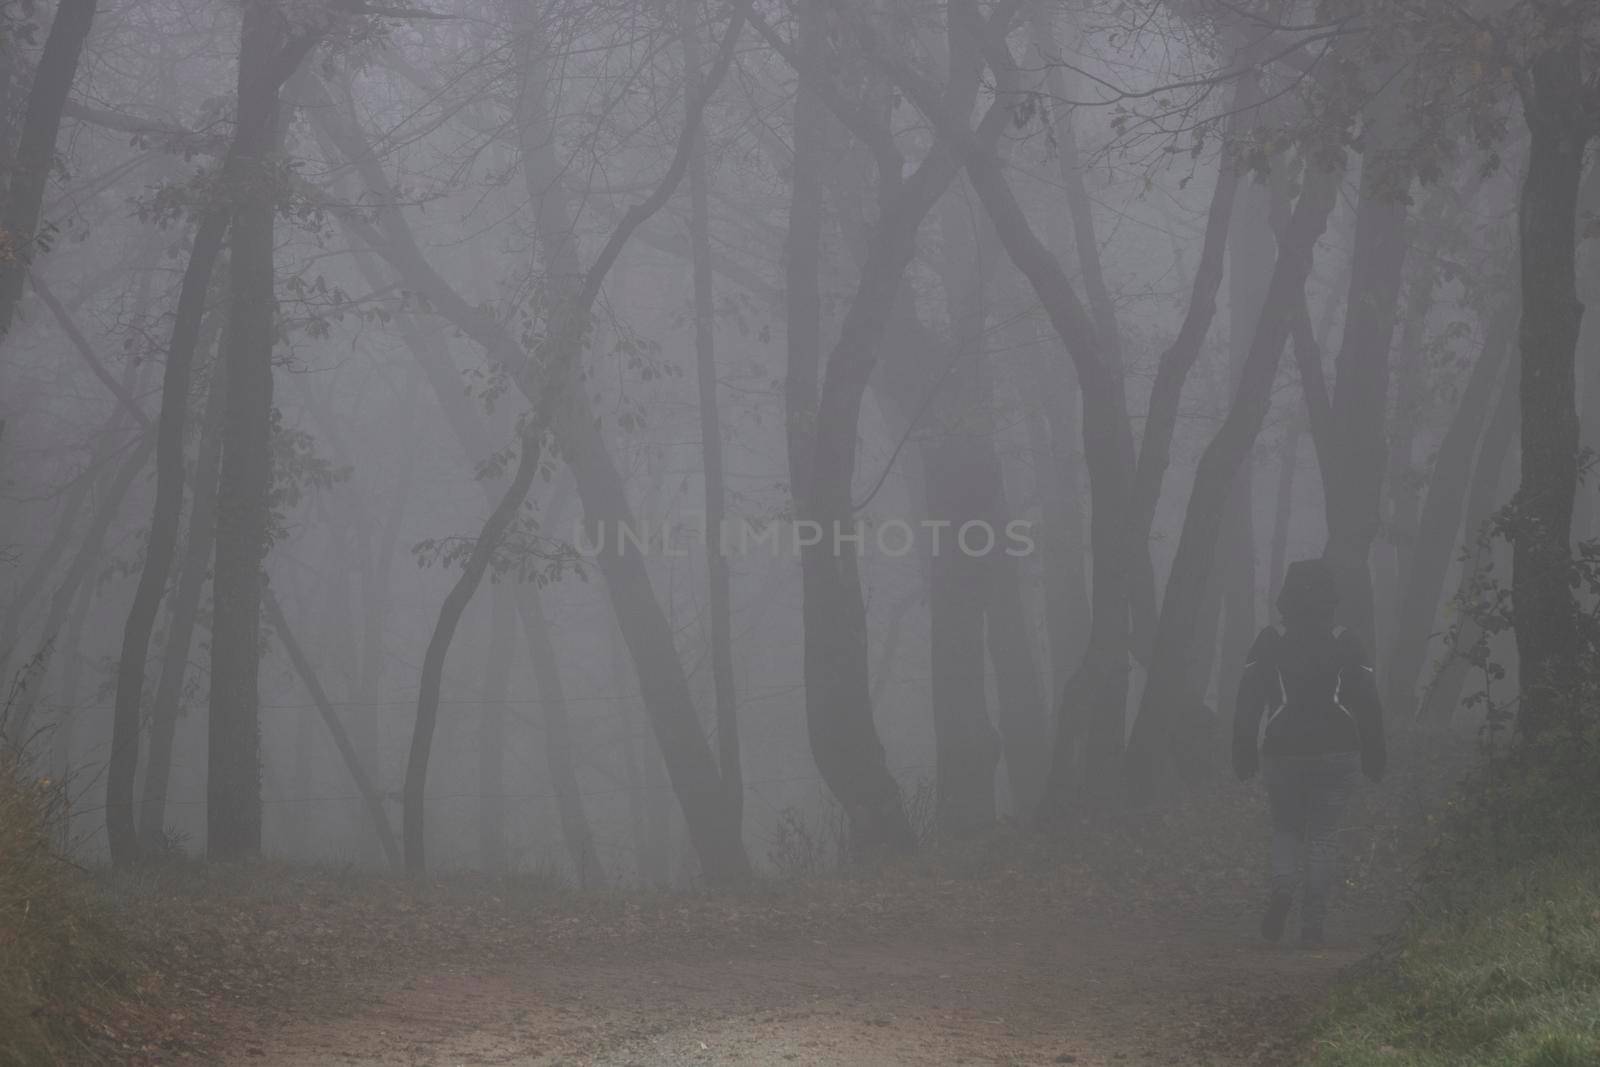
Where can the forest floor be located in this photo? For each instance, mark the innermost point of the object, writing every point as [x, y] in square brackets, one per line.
[1134, 945]
[1046, 982]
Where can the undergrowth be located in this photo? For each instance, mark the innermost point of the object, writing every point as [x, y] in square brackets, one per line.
[63, 967]
[1512, 980]
[1499, 964]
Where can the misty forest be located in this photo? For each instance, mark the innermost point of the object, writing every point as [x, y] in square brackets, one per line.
[822, 531]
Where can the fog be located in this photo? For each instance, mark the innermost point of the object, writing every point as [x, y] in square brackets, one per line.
[663, 444]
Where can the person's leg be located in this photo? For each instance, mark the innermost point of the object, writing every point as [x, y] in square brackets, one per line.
[1330, 782]
[1286, 802]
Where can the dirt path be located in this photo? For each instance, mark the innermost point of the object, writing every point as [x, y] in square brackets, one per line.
[1093, 989]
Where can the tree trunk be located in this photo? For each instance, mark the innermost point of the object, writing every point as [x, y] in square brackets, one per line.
[168, 703]
[106, 442]
[123, 762]
[844, 740]
[35, 156]
[560, 752]
[719, 597]
[600, 486]
[1283, 508]
[1353, 483]
[1054, 439]
[1086, 246]
[1094, 702]
[72, 673]
[341, 740]
[492, 732]
[1152, 755]
[1443, 694]
[1542, 603]
[1404, 486]
[233, 765]
[1023, 710]
[1436, 539]
[84, 561]
[1251, 253]
[455, 603]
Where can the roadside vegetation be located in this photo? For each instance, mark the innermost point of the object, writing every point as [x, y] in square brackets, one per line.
[64, 968]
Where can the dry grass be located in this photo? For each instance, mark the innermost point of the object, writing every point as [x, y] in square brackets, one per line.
[63, 967]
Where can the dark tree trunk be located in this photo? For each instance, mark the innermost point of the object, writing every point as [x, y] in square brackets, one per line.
[122, 764]
[233, 766]
[1561, 123]
[1353, 482]
[34, 159]
[1092, 720]
[844, 740]
[1152, 751]
[1086, 247]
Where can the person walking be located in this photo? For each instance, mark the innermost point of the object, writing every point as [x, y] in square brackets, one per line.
[1308, 715]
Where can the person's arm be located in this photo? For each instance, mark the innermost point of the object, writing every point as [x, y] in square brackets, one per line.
[1358, 689]
[1252, 703]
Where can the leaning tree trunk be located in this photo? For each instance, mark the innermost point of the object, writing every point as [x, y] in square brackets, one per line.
[1443, 694]
[444, 629]
[162, 546]
[562, 405]
[1092, 719]
[714, 826]
[1152, 755]
[90, 555]
[844, 740]
[427, 342]
[35, 157]
[1542, 605]
[1448, 488]
[370, 796]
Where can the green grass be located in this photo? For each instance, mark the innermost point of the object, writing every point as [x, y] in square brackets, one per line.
[1509, 976]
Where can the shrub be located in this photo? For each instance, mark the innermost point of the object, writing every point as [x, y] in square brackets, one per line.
[61, 963]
